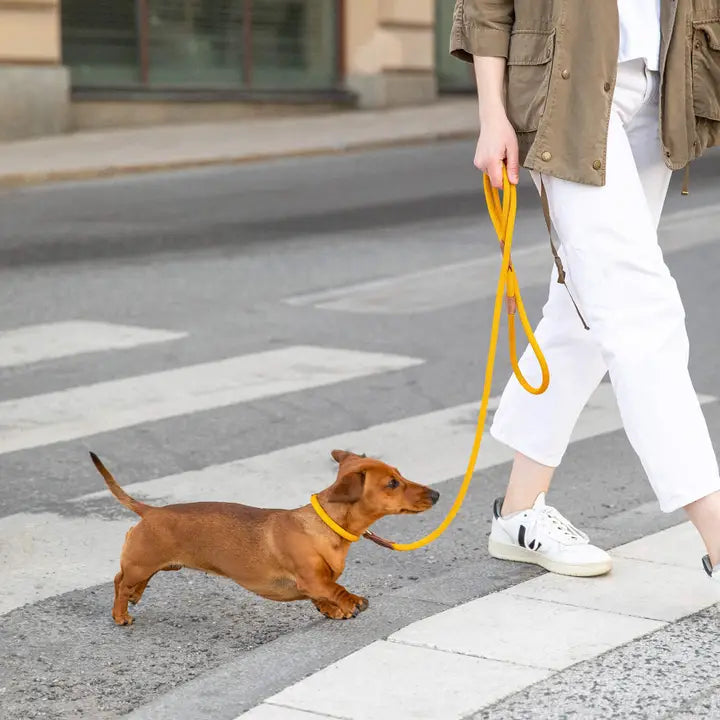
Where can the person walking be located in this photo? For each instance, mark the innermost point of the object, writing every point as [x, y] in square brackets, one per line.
[601, 101]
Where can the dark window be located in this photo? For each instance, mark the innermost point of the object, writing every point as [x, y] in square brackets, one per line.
[165, 44]
[452, 74]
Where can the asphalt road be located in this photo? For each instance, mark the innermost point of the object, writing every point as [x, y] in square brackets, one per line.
[215, 255]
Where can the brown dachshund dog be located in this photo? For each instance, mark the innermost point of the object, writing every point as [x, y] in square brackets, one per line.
[277, 554]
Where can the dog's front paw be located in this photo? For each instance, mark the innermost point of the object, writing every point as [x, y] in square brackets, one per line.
[351, 607]
[359, 604]
[125, 619]
[329, 610]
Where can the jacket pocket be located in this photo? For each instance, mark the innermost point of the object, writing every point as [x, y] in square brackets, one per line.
[706, 69]
[529, 68]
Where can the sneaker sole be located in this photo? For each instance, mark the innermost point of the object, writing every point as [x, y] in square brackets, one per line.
[515, 553]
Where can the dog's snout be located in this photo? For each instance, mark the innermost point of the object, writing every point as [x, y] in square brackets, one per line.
[434, 496]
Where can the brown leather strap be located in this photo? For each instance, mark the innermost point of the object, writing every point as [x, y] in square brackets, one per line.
[382, 542]
[548, 223]
[556, 255]
[686, 181]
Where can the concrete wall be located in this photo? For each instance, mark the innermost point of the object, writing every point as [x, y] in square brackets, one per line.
[34, 86]
[90, 114]
[390, 51]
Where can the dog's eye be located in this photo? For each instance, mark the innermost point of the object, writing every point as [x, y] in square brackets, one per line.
[393, 483]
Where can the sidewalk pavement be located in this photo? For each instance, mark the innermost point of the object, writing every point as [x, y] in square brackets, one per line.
[88, 155]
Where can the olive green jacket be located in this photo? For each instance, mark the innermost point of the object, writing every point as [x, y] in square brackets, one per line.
[561, 66]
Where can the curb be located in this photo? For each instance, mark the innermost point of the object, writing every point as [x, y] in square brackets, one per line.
[17, 180]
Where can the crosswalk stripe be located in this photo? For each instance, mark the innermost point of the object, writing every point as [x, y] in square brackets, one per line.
[46, 555]
[499, 644]
[87, 410]
[438, 442]
[54, 554]
[51, 341]
[427, 290]
[464, 282]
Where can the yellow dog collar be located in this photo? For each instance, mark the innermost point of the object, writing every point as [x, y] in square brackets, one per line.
[330, 522]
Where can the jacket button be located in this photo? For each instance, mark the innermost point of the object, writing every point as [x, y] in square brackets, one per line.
[546, 156]
[607, 87]
[565, 74]
[597, 165]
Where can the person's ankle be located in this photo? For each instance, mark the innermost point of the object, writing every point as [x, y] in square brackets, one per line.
[512, 508]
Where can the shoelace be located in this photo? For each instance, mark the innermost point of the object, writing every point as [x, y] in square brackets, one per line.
[557, 527]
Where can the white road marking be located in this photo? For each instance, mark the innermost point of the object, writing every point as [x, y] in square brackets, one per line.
[521, 635]
[87, 410]
[429, 290]
[50, 341]
[463, 282]
[46, 554]
[75, 552]
[439, 445]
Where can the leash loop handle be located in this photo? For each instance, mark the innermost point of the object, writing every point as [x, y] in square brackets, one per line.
[503, 219]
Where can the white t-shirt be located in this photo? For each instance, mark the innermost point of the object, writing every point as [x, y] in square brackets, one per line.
[640, 31]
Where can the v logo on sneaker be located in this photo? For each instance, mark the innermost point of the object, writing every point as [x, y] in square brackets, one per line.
[533, 544]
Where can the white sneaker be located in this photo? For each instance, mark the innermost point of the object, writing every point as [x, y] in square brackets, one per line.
[542, 536]
[713, 572]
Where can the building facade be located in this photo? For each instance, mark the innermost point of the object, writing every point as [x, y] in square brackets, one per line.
[70, 64]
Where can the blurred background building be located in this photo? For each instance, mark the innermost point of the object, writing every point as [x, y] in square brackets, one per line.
[75, 64]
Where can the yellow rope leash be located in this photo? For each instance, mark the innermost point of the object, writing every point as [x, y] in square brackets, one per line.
[502, 215]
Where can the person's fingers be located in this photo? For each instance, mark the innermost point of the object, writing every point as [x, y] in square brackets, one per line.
[513, 162]
[494, 171]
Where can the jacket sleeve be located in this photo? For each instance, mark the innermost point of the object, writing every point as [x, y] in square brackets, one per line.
[481, 27]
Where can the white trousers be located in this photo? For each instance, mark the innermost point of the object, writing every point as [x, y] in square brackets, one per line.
[615, 269]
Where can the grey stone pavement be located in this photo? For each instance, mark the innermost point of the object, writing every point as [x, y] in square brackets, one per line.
[669, 674]
[215, 253]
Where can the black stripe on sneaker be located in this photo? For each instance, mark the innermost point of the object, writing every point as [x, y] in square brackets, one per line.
[497, 507]
[707, 565]
[521, 536]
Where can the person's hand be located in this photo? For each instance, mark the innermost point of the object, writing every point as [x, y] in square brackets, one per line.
[497, 144]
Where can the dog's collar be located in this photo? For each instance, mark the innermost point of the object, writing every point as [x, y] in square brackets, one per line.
[341, 531]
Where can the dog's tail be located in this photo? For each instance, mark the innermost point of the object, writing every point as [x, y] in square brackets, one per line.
[130, 503]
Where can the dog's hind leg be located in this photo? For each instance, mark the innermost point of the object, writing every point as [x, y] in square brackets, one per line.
[119, 611]
[137, 592]
[125, 583]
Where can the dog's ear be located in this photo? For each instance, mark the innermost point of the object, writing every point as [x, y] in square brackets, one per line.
[340, 455]
[348, 488]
